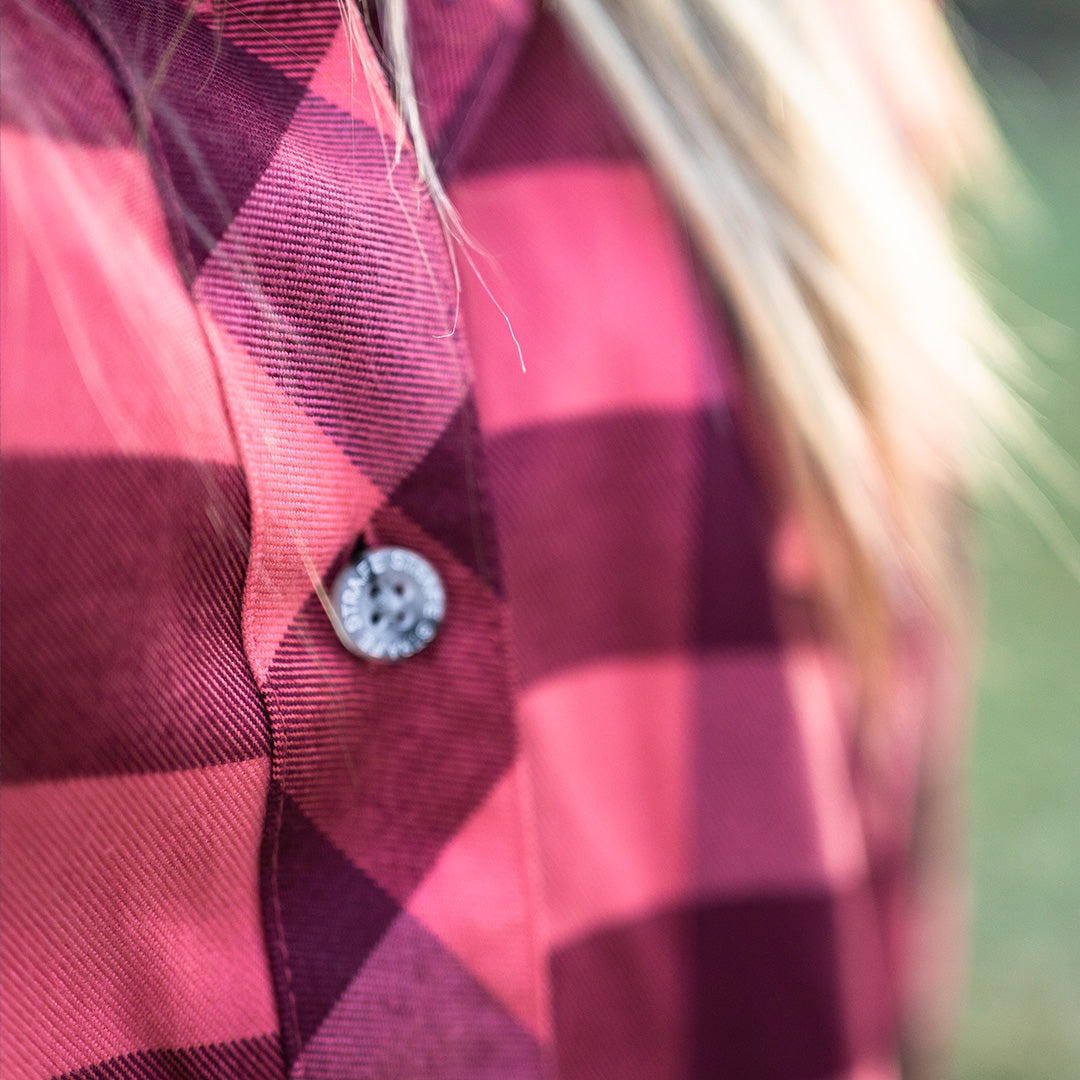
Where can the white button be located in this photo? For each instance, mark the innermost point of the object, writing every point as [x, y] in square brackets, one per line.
[389, 603]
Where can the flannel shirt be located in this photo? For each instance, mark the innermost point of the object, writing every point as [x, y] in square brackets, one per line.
[618, 819]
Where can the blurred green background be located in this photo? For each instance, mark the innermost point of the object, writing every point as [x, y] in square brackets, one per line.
[1021, 1019]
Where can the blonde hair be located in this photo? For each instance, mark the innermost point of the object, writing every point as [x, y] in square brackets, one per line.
[812, 181]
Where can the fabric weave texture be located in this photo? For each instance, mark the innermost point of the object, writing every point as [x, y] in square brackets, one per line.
[617, 820]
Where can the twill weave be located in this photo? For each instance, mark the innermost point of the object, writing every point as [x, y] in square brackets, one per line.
[617, 820]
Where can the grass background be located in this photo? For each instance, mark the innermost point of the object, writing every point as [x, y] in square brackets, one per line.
[1021, 1019]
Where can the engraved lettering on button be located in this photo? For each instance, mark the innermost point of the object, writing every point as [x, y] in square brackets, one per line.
[390, 602]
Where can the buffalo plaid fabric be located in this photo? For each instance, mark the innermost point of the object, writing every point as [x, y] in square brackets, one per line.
[615, 821]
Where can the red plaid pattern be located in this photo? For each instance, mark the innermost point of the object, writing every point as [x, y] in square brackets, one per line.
[614, 821]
